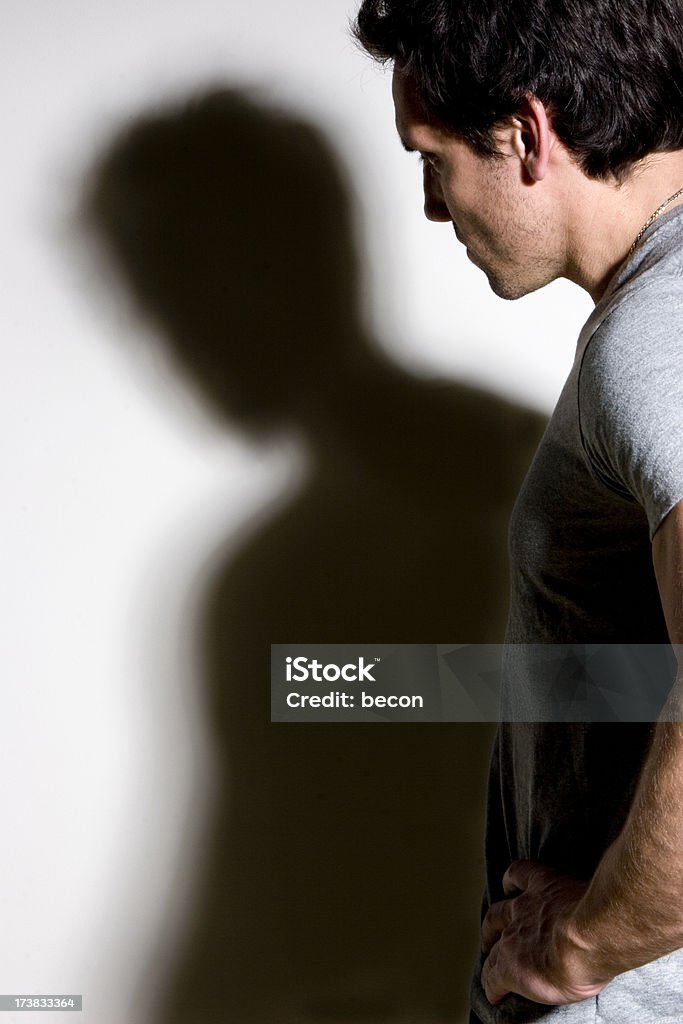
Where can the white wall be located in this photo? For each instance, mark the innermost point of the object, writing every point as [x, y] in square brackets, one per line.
[117, 485]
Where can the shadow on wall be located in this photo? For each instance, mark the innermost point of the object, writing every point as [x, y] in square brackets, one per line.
[341, 871]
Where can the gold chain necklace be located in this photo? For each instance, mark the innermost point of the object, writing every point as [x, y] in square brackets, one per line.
[653, 217]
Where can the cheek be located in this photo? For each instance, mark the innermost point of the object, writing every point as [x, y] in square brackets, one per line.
[490, 217]
[463, 196]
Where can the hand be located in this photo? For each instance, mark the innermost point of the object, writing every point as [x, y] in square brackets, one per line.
[532, 948]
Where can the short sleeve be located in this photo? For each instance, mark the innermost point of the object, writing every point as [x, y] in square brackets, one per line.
[631, 399]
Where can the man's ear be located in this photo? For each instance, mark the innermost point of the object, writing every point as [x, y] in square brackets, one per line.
[532, 137]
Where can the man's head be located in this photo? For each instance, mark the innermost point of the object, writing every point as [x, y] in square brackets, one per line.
[502, 95]
[512, 231]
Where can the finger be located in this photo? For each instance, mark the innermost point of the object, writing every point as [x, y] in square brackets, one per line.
[497, 919]
[494, 987]
[516, 878]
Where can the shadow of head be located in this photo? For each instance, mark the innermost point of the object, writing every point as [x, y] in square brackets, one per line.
[230, 222]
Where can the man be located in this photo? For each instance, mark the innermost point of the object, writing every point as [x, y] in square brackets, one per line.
[551, 138]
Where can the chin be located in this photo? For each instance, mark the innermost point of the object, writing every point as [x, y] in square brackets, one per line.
[505, 288]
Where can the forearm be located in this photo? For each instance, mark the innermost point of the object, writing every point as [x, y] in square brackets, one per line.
[632, 911]
[556, 940]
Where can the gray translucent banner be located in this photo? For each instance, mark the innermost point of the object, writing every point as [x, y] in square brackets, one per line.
[475, 682]
[53, 1003]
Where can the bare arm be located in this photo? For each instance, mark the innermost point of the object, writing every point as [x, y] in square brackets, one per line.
[632, 912]
[558, 940]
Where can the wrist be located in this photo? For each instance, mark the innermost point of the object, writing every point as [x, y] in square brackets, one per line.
[580, 953]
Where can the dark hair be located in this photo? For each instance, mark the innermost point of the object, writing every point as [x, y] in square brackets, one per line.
[610, 72]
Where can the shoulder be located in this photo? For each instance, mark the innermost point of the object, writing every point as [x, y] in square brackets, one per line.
[641, 313]
[636, 351]
[630, 395]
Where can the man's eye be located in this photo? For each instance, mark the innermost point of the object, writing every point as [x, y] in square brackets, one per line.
[429, 159]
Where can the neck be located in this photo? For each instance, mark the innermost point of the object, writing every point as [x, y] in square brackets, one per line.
[608, 217]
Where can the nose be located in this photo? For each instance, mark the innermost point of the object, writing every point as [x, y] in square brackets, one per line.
[435, 206]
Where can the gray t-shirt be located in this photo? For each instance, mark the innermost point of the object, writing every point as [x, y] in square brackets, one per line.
[608, 470]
